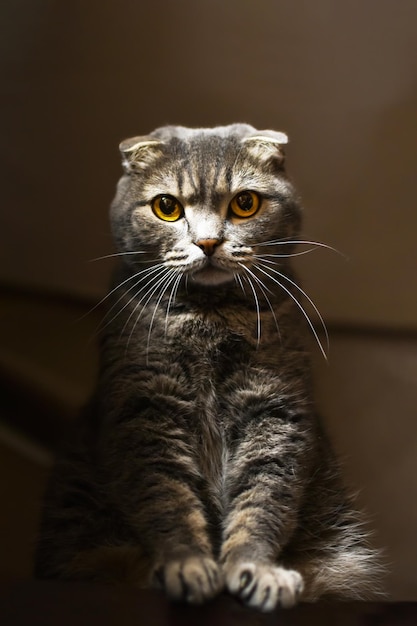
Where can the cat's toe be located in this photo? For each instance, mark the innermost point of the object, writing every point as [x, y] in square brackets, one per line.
[192, 579]
[264, 586]
[291, 586]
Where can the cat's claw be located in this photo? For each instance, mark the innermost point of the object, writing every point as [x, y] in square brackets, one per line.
[192, 579]
[263, 587]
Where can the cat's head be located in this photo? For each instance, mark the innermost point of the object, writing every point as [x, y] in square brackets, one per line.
[203, 202]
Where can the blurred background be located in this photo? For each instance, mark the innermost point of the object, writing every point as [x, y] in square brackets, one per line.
[340, 78]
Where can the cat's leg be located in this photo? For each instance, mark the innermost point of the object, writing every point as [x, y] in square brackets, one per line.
[265, 481]
[183, 562]
[159, 489]
[173, 525]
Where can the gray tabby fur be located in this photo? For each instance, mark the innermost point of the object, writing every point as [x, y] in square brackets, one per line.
[202, 464]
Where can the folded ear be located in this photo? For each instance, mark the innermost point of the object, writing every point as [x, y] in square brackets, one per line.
[139, 152]
[267, 145]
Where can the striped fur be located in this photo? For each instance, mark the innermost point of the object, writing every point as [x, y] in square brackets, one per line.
[201, 464]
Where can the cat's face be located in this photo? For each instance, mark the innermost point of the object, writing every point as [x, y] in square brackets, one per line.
[203, 202]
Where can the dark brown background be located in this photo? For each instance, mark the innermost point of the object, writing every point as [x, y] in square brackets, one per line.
[340, 79]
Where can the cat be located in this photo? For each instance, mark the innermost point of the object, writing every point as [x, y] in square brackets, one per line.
[201, 464]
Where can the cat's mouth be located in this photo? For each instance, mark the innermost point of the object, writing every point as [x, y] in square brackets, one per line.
[212, 274]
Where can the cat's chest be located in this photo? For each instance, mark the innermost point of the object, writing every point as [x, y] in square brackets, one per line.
[208, 347]
[209, 353]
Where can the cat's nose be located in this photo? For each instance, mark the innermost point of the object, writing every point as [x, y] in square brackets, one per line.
[207, 245]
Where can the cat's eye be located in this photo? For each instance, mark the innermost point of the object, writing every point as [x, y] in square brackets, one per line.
[167, 208]
[245, 204]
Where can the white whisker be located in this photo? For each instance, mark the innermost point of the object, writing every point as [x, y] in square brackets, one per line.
[305, 296]
[264, 288]
[108, 295]
[158, 269]
[310, 323]
[147, 273]
[172, 297]
[151, 291]
[238, 280]
[116, 254]
[173, 275]
[258, 313]
[296, 242]
[283, 256]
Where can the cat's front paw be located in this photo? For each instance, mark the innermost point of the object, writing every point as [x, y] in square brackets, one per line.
[192, 579]
[263, 587]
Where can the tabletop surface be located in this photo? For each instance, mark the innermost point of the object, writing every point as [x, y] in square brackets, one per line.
[35, 603]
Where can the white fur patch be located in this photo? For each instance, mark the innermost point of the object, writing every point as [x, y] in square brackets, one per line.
[264, 587]
[193, 579]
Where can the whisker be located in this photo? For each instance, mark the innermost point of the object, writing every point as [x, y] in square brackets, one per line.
[283, 256]
[172, 297]
[151, 291]
[258, 280]
[172, 277]
[310, 323]
[147, 273]
[158, 269]
[264, 288]
[108, 295]
[307, 298]
[238, 280]
[296, 242]
[258, 314]
[115, 254]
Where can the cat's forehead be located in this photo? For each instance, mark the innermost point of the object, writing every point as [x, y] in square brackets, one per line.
[200, 172]
[198, 162]
[190, 178]
[201, 148]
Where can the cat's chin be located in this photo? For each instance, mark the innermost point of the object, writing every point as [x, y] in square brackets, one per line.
[212, 277]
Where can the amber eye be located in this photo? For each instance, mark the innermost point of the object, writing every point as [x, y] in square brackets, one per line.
[245, 204]
[167, 208]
